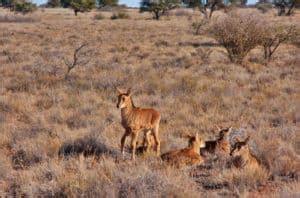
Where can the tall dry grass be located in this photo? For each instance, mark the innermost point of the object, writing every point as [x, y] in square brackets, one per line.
[41, 112]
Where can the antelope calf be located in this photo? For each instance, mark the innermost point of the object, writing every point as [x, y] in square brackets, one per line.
[186, 156]
[242, 156]
[220, 145]
[135, 119]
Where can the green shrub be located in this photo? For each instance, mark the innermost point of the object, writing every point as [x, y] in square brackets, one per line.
[158, 7]
[82, 5]
[24, 7]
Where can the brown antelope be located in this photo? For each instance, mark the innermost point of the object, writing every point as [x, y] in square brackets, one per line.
[186, 156]
[242, 156]
[135, 119]
[220, 145]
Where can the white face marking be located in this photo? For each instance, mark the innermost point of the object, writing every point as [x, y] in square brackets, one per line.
[122, 105]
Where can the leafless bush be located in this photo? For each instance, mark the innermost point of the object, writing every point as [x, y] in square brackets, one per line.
[275, 36]
[77, 59]
[238, 32]
[86, 146]
[200, 25]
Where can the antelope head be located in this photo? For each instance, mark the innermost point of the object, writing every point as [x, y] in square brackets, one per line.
[196, 142]
[224, 132]
[124, 98]
[240, 147]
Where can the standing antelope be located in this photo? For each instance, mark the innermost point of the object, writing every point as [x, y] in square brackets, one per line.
[186, 156]
[135, 119]
[242, 157]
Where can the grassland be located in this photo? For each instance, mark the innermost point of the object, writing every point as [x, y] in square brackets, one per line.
[164, 63]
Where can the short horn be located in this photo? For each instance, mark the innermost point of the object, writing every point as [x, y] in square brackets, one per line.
[129, 92]
[237, 139]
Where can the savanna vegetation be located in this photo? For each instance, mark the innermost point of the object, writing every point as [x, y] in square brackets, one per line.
[60, 128]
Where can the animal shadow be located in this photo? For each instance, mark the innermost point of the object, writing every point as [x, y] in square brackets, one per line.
[87, 146]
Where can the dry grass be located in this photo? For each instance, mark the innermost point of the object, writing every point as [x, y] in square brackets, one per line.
[41, 113]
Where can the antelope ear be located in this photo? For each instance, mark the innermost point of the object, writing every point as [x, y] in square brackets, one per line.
[129, 92]
[230, 129]
[119, 90]
[197, 136]
[236, 140]
[218, 128]
[188, 136]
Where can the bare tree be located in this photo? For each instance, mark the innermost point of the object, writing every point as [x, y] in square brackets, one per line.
[77, 59]
[198, 26]
[210, 7]
[285, 7]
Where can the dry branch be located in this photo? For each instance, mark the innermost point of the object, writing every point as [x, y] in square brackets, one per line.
[76, 59]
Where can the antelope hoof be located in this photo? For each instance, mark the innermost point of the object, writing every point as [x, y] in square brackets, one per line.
[133, 157]
[157, 153]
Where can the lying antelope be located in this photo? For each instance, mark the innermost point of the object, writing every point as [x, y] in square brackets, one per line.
[135, 119]
[186, 156]
[221, 144]
[242, 156]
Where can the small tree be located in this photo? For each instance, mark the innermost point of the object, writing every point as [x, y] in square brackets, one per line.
[199, 25]
[210, 7]
[238, 32]
[158, 7]
[274, 37]
[82, 5]
[65, 3]
[244, 2]
[192, 3]
[264, 7]
[286, 7]
[110, 3]
[53, 3]
[23, 7]
[6, 3]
